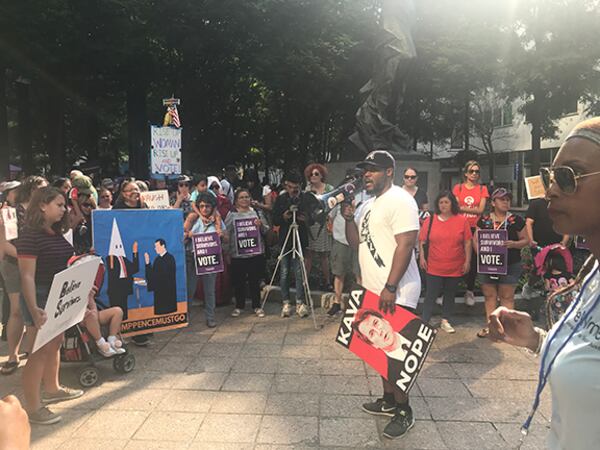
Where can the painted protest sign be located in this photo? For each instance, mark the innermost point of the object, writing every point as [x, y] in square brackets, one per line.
[535, 187]
[156, 199]
[145, 267]
[165, 153]
[67, 300]
[9, 217]
[208, 253]
[247, 237]
[491, 252]
[395, 345]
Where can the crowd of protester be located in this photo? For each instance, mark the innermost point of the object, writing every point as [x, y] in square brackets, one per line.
[445, 251]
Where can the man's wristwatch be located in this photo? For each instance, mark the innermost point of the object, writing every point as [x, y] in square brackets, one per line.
[391, 287]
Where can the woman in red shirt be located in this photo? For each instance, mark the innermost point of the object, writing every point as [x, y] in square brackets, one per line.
[448, 258]
[472, 198]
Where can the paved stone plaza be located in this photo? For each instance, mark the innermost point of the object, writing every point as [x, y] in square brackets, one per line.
[277, 383]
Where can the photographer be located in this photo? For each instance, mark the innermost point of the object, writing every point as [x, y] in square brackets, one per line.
[291, 200]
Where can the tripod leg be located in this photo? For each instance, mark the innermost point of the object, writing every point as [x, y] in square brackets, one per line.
[282, 254]
[307, 294]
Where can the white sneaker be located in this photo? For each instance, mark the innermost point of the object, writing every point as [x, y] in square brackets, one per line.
[469, 298]
[445, 325]
[439, 301]
[302, 310]
[106, 350]
[286, 311]
[236, 312]
[259, 312]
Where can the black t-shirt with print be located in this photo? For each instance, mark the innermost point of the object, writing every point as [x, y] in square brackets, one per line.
[543, 233]
[513, 225]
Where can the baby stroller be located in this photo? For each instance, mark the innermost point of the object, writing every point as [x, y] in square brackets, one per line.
[558, 296]
[79, 347]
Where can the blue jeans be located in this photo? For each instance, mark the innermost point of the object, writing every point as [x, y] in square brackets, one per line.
[209, 282]
[284, 278]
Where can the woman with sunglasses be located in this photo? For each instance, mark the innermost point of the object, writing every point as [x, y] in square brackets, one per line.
[472, 198]
[502, 287]
[410, 186]
[43, 252]
[183, 198]
[319, 237]
[81, 222]
[245, 268]
[569, 355]
[207, 221]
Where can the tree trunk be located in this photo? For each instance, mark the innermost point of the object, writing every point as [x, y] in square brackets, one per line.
[91, 136]
[138, 132]
[55, 131]
[4, 157]
[536, 134]
[24, 130]
[467, 119]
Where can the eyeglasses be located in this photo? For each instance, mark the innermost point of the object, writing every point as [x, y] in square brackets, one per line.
[564, 177]
[410, 177]
[474, 172]
[315, 174]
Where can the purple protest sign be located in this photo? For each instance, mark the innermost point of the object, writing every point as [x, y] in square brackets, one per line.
[492, 254]
[207, 253]
[247, 237]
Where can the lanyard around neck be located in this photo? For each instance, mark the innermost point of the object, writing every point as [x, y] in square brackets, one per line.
[545, 373]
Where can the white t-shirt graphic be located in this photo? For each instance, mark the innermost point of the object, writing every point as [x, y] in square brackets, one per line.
[575, 376]
[379, 220]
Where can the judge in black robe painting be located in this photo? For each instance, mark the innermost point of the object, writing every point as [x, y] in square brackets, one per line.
[160, 277]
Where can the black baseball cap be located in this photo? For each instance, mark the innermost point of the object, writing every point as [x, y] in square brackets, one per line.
[379, 159]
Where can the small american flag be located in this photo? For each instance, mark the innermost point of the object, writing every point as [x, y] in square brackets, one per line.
[174, 116]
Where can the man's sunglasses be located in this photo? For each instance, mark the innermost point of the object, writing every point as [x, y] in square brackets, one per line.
[477, 172]
[410, 177]
[564, 177]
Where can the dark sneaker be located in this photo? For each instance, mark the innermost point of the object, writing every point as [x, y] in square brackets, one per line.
[141, 340]
[44, 416]
[335, 308]
[62, 395]
[402, 421]
[379, 408]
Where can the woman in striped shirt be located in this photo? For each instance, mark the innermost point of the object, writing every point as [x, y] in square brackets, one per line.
[42, 253]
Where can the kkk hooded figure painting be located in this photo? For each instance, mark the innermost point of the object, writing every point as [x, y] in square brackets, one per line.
[145, 263]
[120, 270]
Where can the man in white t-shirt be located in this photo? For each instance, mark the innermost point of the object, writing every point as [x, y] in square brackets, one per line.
[385, 232]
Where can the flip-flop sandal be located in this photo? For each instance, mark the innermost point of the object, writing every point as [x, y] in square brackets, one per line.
[483, 333]
[9, 367]
[23, 355]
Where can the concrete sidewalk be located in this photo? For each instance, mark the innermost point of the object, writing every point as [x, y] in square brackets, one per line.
[278, 383]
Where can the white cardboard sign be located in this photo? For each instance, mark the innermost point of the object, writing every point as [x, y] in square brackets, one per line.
[156, 199]
[165, 154]
[67, 300]
[9, 217]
